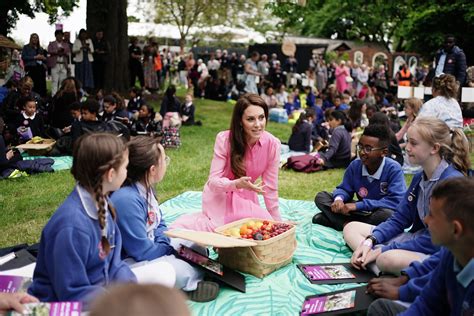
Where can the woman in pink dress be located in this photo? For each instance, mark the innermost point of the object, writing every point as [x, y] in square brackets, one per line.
[242, 155]
[341, 74]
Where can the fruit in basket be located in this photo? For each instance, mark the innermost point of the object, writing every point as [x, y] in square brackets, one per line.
[37, 140]
[258, 230]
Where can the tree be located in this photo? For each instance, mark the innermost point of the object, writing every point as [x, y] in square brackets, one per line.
[405, 25]
[10, 10]
[111, 17]
[186, 14]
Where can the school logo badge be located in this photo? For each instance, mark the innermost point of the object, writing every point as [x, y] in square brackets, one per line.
[151, 217]
[383, 187]
[363, 192]
[102, 254]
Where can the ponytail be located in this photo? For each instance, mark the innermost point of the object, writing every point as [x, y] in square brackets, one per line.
[454, 146]
[102, 217]
[460, 150]
[339, 115]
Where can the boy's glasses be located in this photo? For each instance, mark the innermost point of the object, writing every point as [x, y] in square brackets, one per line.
[367, 149]
[167, 160]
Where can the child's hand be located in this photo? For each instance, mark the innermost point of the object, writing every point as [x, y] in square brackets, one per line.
[337, 206]
[10, 154]
[364, 255]
[15, 301]
[349, 207]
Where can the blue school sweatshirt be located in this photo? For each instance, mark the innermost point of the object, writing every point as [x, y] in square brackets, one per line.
[450, 290]
[383, 189]
[406, 216]
[339, 146]
[419, 274]
[71, 265]
[132, 217]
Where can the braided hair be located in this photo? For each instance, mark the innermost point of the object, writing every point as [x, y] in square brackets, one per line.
[94, 155]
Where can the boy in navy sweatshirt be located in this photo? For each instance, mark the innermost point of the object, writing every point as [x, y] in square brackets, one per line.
[450, 290]
[378, 183]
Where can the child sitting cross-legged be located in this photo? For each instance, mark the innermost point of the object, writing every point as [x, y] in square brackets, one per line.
[450, 289]
[376, 180]
[29, 123]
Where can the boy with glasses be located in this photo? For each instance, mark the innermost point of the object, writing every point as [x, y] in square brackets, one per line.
[378, 183]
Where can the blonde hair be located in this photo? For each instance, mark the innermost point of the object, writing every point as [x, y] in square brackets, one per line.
[415, 104]
[454, 146]
[139, 299]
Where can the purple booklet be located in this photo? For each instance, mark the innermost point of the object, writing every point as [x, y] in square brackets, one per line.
[51, 309]
[13, 284]
[328, 272]
[328, 303]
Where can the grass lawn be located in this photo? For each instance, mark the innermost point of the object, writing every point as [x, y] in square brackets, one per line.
[27, 203]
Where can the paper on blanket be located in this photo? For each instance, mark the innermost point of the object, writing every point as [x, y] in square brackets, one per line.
[467, 95]
[209, 239]
[404, 92]
[51, 309]
[26, 271]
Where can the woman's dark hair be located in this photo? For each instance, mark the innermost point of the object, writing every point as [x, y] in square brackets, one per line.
[238, 142]
[170, 91]
[355, 112]
[446, 86]
[303, 116]
[339, 115]
[93, 156]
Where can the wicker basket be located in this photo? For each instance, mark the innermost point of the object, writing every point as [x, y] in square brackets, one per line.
[38, 149]
[264, 258]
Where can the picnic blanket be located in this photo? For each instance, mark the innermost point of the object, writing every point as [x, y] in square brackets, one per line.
[60, 162]
[283, 291]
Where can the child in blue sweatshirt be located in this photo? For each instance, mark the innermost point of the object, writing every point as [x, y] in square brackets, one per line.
[450, 287]
[442, 153]
[377, 181]
[140, 219]
[80, 246]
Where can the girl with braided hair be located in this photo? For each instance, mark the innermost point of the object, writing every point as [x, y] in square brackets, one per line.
[80, 247]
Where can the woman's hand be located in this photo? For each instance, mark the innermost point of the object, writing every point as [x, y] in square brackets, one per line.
[246, 183]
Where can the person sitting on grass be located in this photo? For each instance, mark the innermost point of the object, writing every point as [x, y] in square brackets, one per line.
[300, 139]
[147, 123]
[450, 290]
[187, 111]
[29, 123]
[377, 181]
[338, 154]
[89, 122]
[442, 153]
[113, 110]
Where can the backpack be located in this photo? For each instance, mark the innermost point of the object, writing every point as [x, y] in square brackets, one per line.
[304, 163]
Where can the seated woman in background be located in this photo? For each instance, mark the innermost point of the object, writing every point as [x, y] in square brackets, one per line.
[300, 139]
[444, 104]
[242, 155]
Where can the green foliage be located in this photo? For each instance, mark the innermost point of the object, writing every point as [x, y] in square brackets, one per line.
[186, 14]
[10, 10]
[405, 25]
